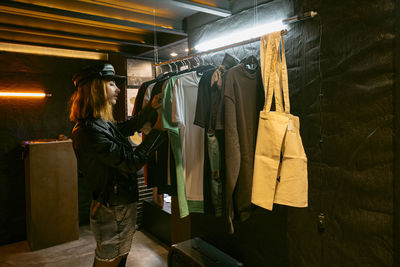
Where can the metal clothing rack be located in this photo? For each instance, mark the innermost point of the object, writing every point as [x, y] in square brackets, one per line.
[306, 15]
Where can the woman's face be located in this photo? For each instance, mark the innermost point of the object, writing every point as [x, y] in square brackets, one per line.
[112, 92]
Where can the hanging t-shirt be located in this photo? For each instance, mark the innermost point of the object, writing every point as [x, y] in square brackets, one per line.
[191, 136]
[244, 99]
[203, 105]
[158, 171]
[173, 130]
[213, 160]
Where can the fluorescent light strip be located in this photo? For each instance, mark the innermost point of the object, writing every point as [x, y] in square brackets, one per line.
[14, 94]
[240, 36]
[50, 51]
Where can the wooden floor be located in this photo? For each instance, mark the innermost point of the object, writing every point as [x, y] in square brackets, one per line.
[145, 252]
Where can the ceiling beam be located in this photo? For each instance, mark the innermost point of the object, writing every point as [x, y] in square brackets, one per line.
[67, 35]
[78, 15]
[48, 45]
[202, 8]
[51, 51]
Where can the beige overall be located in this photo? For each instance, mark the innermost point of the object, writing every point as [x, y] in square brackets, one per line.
[280, 164]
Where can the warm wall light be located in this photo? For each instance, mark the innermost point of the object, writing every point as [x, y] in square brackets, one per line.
[50, 51]
[240, 36]
[173, 54]
[21, 94]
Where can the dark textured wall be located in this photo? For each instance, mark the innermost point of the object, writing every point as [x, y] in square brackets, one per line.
[355, 188]
[23, 119]
[347, 130]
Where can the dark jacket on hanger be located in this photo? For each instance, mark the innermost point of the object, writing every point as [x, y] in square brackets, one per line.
[140, 96]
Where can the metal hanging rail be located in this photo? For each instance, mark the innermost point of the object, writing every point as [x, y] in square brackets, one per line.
[306, 15]
[212, 50]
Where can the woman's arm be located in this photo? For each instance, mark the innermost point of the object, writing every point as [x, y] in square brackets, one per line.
[118, 155]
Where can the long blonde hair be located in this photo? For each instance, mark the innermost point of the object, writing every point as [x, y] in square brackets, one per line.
[90, 101]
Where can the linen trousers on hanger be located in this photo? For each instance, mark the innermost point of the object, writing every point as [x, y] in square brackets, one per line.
[280, 163]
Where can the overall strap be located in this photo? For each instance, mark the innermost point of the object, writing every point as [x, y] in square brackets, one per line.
[265, 60]
[278, 85]
[268, 46]
[273, 87]
[284, 78]
[274, 71]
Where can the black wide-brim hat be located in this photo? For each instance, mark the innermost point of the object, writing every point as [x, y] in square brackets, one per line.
[102, 71]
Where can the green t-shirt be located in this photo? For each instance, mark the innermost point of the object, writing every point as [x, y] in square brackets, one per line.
[184, 205]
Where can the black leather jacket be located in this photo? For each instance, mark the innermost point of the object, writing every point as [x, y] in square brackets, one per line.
[107, 159]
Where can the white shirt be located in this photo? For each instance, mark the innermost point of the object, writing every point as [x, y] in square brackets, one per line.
[192, 136]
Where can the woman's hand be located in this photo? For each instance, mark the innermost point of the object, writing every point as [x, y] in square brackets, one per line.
[156, 103]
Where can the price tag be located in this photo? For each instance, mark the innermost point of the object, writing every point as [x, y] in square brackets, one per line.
[290, 125]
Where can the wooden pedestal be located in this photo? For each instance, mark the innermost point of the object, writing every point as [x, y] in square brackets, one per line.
[51, 193]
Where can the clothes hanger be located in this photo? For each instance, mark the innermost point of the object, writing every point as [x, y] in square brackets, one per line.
[198, 63]
[176, 66]
[213, 62]
[164, 69]
[200, 67]
[251, 63]
[235, 53]
[197, 66]
[209, 59]
[185, 67]
[202, 61]
[161, 73]
[244, 50]
[189, 63]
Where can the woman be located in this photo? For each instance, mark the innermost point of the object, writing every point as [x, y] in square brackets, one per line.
[107, 159]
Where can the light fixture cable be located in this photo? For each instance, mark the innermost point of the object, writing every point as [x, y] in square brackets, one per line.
[155, 49]
[255, 21]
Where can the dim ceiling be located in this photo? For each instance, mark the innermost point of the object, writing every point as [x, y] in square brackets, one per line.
[131, 27]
